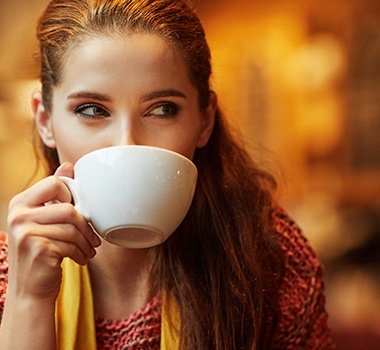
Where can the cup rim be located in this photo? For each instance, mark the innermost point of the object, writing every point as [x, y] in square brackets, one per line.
[154, 148]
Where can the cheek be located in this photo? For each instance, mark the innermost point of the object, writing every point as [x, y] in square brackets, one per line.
[185, 142]
[69, 152]
[72, 145]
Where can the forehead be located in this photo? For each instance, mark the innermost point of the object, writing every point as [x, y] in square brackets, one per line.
[123, 66]
[135, 51]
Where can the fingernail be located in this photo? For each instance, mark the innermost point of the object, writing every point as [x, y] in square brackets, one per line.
[96, 240]
[93, 253]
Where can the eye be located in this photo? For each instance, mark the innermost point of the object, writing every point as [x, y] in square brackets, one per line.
[91, 111]
[165, 110]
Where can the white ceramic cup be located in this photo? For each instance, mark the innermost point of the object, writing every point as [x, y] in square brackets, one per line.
[134, 196]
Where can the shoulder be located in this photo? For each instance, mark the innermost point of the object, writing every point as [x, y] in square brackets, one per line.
[3, 269]
[302, 319]
[299, 254]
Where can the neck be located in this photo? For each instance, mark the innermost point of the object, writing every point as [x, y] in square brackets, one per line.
[120, 281]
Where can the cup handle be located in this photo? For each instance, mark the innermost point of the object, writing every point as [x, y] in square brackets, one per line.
[72, 186]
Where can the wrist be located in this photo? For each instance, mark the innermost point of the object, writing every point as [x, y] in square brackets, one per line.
[28, 323]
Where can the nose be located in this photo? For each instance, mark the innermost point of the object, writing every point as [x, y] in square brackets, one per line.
[125, 139]
[125, 134]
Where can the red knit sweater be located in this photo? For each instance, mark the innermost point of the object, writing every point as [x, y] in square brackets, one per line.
[302, 323]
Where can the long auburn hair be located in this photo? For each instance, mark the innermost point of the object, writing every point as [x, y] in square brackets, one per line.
[222, 264]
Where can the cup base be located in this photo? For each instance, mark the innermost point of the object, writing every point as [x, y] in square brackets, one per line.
[134, 237]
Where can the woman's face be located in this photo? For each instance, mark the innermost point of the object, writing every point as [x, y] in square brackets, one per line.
[130, 90]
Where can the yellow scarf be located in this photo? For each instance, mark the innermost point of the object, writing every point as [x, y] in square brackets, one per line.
[75, 314]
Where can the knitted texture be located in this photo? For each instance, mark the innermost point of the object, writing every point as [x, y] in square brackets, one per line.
[139, 331]
[3, 271]
[302, 319]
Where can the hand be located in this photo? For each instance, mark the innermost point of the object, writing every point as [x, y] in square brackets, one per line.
[43, 228]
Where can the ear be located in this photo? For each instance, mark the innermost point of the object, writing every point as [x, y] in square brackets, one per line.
[42, 120]
[208, 121]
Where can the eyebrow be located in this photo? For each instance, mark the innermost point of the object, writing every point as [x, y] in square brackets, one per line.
[90, 94]
[162, 93]
[146, 97]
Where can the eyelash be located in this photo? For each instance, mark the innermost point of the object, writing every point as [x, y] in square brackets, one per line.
[79, 111]
[174, 109]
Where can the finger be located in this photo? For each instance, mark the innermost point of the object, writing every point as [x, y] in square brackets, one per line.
[65, 213]
[36, 239]
[69, 250]
[46, 250]
[70, 236]
[60, 213]
[47, 190]
[65, 169]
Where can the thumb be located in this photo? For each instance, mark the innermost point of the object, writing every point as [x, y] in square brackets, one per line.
[65, 169]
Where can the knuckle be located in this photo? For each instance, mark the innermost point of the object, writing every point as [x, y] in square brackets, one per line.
[23, 239]
[54, 184]
[70, 232]
[16, 218]
[54, 181]
[38, 246]
[76, 253]
[69, 211]
[74, 250]
[58, 185]
[14, 202]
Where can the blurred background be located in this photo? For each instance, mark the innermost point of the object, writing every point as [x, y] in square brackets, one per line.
[300, 80]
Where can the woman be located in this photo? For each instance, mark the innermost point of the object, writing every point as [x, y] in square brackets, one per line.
[236, 274]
